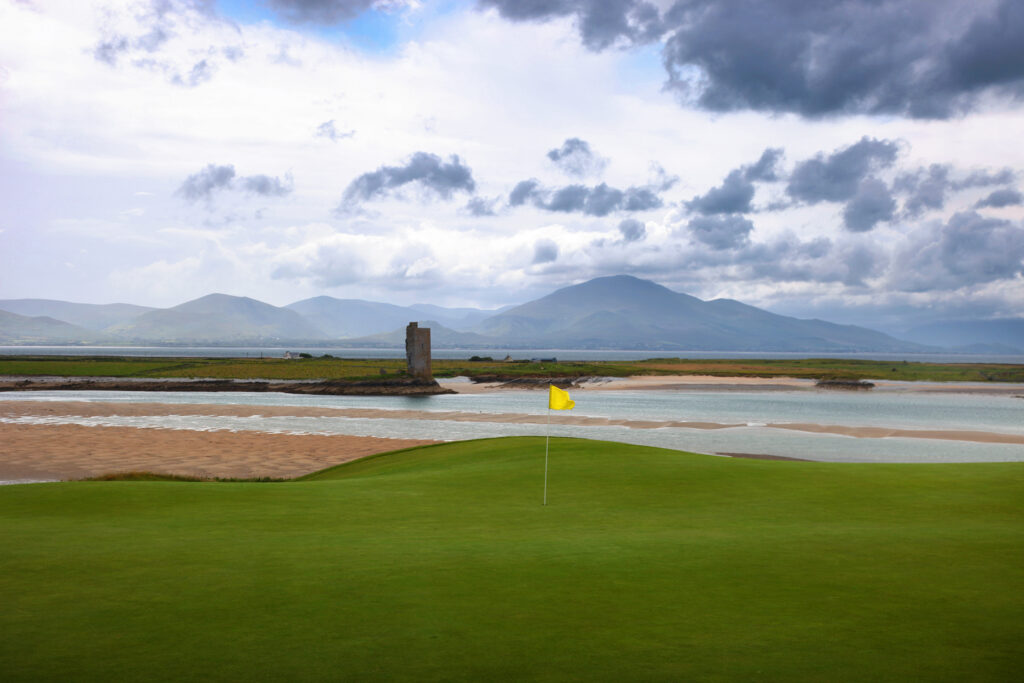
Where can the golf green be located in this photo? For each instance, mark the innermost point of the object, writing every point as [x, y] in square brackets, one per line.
[440, 563]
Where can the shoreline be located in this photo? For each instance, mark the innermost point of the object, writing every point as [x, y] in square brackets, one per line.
[462, 385]
[13, 412]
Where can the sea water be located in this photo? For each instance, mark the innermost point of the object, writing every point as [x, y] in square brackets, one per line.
[752, 413]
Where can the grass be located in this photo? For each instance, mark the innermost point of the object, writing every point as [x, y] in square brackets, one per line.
[439, 563]
[369, 368]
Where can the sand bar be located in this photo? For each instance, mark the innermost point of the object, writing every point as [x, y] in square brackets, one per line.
[28, 411]
[71, 452]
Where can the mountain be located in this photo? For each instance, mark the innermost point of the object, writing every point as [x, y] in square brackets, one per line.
[22, 329]
[343, 318]
[440, 337]
[456, 318]
[95, 317]
[220, 318]
[624, 312]
[346, 318]
[1004, 335]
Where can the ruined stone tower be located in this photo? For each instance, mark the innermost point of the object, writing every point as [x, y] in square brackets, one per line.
[417, 352]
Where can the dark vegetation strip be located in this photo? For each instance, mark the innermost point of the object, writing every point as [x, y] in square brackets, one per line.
[348, 369]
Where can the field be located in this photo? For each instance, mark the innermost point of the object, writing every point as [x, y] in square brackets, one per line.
[355, 369]
[439, 563]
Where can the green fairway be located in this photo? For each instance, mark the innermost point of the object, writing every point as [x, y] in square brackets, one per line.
[439, 563]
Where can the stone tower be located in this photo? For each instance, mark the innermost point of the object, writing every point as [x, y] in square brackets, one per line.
[417, 352]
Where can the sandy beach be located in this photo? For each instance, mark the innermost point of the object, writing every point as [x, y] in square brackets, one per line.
[62, 451]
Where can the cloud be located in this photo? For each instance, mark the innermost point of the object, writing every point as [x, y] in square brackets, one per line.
[544, 251]
[1000, 198]
[577, 159]
[732, 196]
[321, 11]
[599, 200]
[213, 177]
[478, 206]
[737, 190]
[935, 59]
[969, 249]
[721, 232]
[926, 188]
[632, 230]
[429, 171]
[858, 56]
[872, 204]
[203, 184]
[201, 72]
[837, 177]
[328, 130]
[601, 23]
[985, 178]
[267, 186]
[524, 191]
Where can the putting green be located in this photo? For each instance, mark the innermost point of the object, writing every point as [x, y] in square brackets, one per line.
[439, 563]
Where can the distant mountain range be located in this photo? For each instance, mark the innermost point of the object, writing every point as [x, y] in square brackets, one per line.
[619, 312]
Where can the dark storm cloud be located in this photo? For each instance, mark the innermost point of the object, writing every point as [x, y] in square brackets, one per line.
[328, 130]
[933, 59]
[721, 232]
[203, 184]
[601, 22]
[213, 178]
[320, 11]
[836, 177]
[267, 186]
[576, 158]
[1000, 198]
[872, 204]
[737, 190]
[632, 230]
[969, 249]
[429, 171]
[545, 251]
[599, 200]
[903, 57]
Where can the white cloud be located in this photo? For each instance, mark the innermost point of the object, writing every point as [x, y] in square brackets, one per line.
[498, 94]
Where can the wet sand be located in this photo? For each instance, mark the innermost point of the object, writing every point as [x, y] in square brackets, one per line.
[52, 450]
[56, 452]
[709, 382]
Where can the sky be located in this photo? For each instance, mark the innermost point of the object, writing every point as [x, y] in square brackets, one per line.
[858, 160]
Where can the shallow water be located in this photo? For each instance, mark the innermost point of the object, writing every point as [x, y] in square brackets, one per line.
[753, 410]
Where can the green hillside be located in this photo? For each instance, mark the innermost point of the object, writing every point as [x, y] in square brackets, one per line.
[439, 563]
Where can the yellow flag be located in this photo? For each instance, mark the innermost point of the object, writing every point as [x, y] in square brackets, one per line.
[559, 400]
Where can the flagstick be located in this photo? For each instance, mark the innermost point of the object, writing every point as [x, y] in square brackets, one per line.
[547, 442]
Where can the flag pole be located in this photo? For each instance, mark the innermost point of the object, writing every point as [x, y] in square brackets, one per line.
[547, 442]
